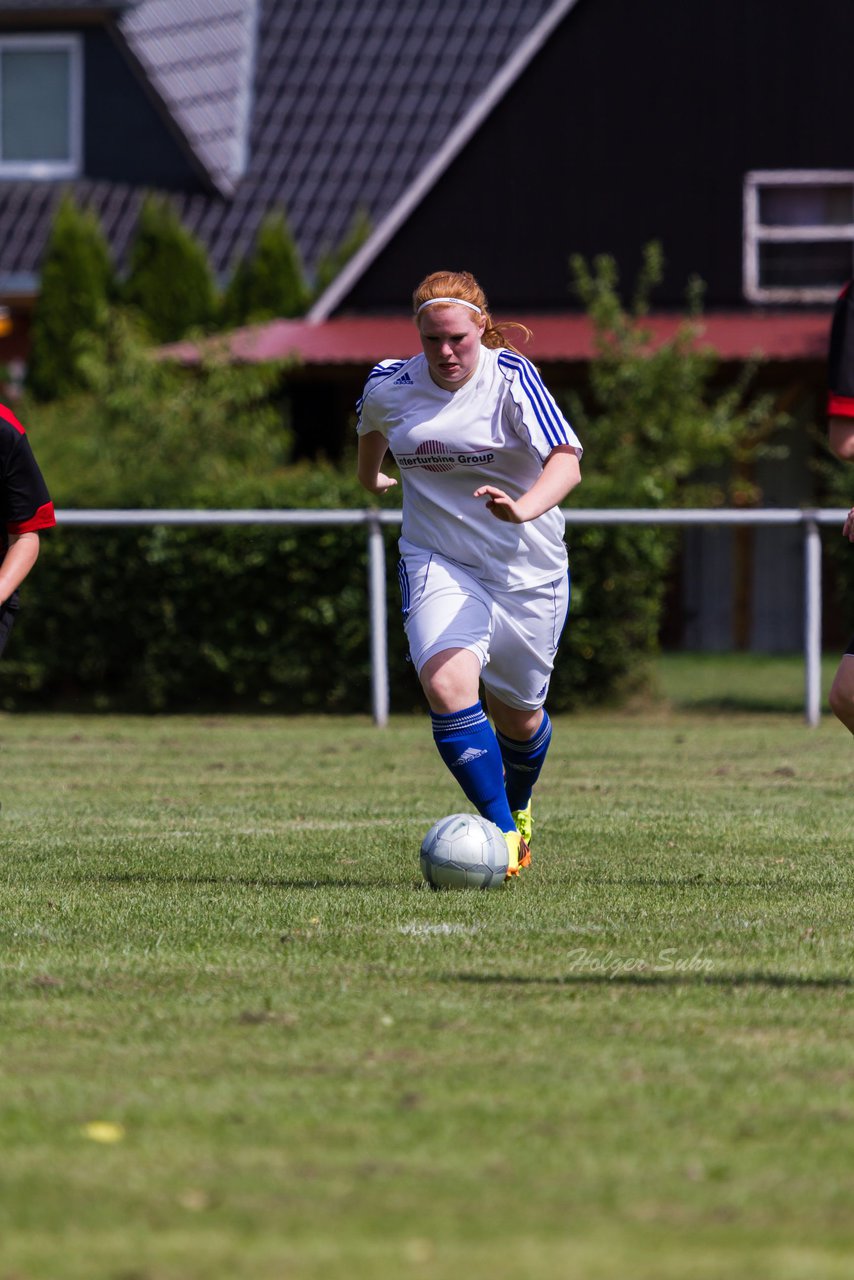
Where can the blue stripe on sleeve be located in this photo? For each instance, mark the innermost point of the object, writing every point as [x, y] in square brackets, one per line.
[546, 413]
[378, 374]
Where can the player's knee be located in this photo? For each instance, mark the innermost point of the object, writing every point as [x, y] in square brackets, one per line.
[835, 700]
[450, 679]
[446, 692]
[841, 700]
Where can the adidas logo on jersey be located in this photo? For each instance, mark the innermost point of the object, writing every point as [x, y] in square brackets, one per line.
[472, 753]
[403, 381]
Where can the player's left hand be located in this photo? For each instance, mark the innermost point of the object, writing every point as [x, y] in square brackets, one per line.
[500, 505]
[848, 527]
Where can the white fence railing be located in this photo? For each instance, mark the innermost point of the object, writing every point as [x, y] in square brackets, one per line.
[809, 520]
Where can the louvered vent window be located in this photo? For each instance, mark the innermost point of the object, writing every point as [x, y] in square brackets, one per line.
[798, 234]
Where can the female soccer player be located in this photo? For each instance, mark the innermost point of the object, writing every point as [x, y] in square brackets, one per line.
[25, 508]
[485, 457]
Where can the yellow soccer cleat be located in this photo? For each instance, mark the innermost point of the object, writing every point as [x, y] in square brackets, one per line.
[525, 826]
[519, 855]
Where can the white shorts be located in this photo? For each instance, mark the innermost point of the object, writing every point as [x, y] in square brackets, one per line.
[515, 634]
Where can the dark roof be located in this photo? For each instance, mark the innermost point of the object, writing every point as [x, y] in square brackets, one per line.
[445, 150]
[351, 100]
[556, 339]
[355, 98]
[199, 56]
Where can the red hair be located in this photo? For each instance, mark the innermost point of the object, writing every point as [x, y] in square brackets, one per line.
[462, 286]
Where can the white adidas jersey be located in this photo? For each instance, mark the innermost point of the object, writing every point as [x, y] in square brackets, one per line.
[498, 428]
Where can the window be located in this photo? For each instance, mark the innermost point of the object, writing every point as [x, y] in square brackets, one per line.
[798, 234]
[40, 106]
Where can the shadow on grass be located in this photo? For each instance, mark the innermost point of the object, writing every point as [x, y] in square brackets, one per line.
[746, 704]
[225, 881]
[791, 882]
[350, 882]
[830, 982]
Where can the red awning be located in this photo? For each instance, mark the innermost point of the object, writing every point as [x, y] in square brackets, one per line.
[362, 340]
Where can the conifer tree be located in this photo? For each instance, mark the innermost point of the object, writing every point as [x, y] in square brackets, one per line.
[332, 261]
[169, 282]
[235, 299]
[77, 286]
[269, 282]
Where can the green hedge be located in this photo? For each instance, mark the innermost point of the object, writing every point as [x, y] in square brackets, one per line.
[172, 618]
[276, 618]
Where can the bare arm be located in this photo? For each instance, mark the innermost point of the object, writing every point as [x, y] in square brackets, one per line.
[841, 434]
[841, 440]
[373, 447]
[561, 473]
[20, 557]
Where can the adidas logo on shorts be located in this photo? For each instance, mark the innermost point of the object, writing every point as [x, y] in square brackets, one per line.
[403, 381]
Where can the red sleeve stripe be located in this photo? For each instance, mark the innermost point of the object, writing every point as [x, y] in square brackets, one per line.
[8, 416]
[840, 406]
[45, 519]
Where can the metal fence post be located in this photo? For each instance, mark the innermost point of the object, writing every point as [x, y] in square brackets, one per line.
[379, 619]
[812, 619]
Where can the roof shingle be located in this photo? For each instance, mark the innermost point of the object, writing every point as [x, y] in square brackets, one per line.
[350, 100]
[198, 54]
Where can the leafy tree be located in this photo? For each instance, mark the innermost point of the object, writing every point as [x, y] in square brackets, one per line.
[653, 417]
[270, 281]
[656, 410]
[77, 283]
[147, 432]
[170, 283]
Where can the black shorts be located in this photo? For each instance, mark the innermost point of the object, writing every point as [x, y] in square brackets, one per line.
[850, 648]
[7, 622]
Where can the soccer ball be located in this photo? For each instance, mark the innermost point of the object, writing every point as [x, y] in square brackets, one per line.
[464, 851]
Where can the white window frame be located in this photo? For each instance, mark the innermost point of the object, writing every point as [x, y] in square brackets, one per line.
[49, 169]
[756, 234]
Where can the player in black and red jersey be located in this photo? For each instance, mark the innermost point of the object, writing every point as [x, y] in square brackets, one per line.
[25, 509]
[840, 409]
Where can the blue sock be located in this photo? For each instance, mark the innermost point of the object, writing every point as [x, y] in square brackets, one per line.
[523, 762]
[467, 744]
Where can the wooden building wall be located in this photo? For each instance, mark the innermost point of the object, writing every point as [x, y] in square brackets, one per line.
[636, 121]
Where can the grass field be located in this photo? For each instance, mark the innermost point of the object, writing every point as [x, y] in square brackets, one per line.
[241, 1040]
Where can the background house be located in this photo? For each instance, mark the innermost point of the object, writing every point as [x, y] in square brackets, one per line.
[502, 138]
[235, 108]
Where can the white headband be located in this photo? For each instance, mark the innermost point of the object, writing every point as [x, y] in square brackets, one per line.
[459, 302]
